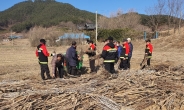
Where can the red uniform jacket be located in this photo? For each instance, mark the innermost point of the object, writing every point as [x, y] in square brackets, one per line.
[42, 53]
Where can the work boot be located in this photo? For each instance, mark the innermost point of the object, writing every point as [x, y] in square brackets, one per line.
[50, 77]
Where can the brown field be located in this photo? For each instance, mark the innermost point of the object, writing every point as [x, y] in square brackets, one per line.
[160, 88]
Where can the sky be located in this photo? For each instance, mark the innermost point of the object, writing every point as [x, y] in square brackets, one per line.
[104, 7]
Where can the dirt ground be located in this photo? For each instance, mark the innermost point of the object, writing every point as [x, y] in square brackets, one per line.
[158, 88]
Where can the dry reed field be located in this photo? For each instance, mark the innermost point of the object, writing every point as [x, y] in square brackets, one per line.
[158, 88]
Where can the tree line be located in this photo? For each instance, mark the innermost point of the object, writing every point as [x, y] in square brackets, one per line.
[45, 13]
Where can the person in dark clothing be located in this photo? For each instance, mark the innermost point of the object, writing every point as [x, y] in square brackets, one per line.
[42, 54]
[58, 64]
[72, 58]
[67, 61]
[109, 54]
[124, 55]
[91, 52]
[148, 51]
[130, 51]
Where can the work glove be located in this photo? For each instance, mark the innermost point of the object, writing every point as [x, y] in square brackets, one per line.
[53, 54]
[65, 68]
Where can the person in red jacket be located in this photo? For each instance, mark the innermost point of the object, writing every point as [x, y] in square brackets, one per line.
[124, 55]
[110, 55]
[42, 54]
[148, 51]
[91, 52]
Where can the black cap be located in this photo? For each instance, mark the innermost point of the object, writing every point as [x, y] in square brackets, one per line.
[124, 40]
[74, 43]
[91, 41]
[148, 40]
[42, 40]
[110, 38]
[59, 55]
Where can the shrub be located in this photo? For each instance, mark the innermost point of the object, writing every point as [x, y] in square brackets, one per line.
[50, 35]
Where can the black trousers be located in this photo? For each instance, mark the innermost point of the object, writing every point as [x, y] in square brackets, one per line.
[124, 64]
[45, 69]
[73, 70]
[92, 65]
[109, 67]
[67, 66]
[148, 61]
[60, 70]
[128, 62]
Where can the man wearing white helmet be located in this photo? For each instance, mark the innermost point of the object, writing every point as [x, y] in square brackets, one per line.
[130, 51]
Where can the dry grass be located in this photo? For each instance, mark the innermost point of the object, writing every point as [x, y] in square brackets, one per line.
[158, 89]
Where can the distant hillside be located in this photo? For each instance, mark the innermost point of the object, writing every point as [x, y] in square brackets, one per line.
[27, 14]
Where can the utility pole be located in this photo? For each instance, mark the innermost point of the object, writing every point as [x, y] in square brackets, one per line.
[96, 27]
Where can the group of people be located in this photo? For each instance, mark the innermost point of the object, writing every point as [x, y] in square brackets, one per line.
[69, 63]
[113, 51]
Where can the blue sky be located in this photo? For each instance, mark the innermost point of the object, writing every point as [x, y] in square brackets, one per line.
[104, 7]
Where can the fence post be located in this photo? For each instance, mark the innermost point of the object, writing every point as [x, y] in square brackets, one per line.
[156, 34]
[144, 35]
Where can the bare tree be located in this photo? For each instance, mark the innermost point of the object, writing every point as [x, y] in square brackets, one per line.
[179, 5]
[174, 11]
[119, 20]
[131, 19]
[155, 14]
[170, 11]
[102, 22]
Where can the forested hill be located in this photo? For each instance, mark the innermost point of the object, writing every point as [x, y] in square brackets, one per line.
[27, 14]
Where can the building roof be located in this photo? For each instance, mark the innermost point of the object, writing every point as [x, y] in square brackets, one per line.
[74, 36]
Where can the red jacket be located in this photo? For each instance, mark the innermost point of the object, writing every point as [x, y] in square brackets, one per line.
[149, 48]
[42, 53]
[127, 49]
[93, 47]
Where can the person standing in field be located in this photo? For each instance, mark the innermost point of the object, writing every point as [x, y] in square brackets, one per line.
[130, 52]
[58, 64]
[72, 58]
[124, 55]
[42, 54]
[109, 54]
[148, 51]
[91, 52]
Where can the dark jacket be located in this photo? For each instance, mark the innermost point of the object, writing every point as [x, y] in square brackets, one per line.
[123, 52]
[42, 54]
[109, 53]
[72, 56]
[130, 49]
